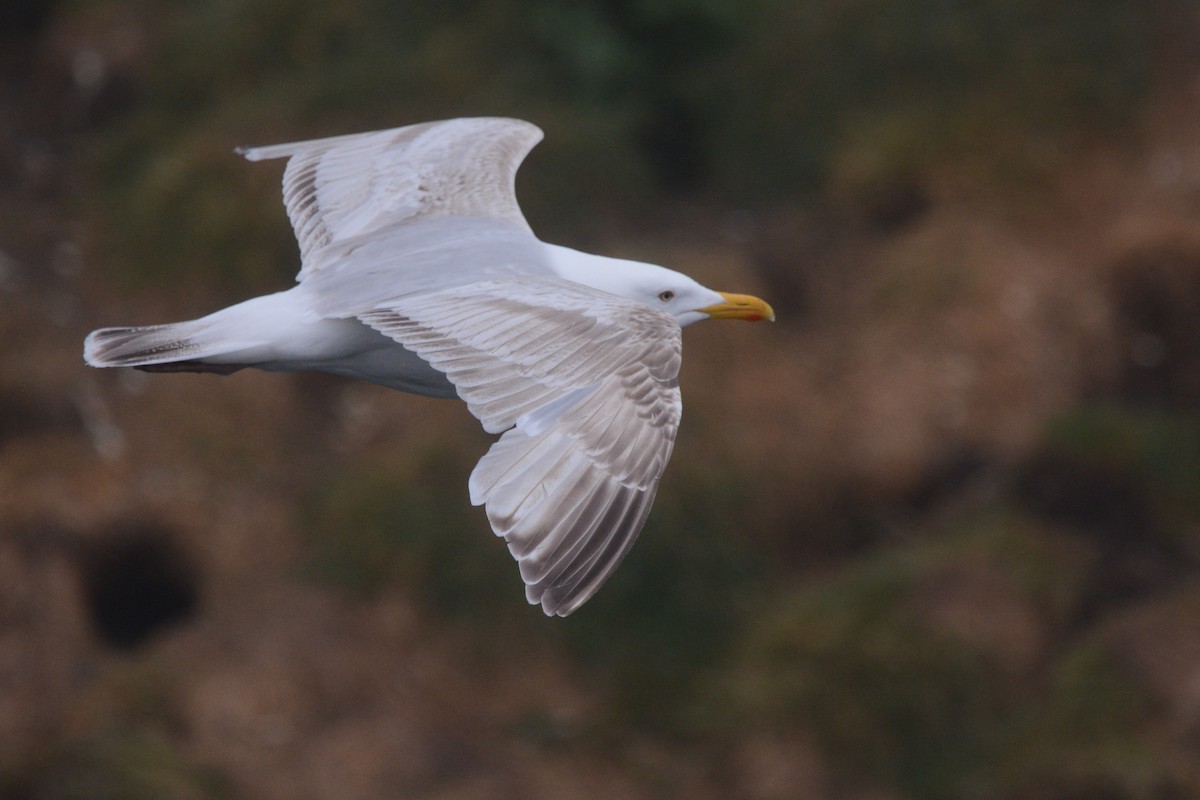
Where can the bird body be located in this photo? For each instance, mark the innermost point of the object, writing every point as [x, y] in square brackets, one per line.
[419, 273]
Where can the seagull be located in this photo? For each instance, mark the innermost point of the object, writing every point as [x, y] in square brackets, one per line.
[419, 272]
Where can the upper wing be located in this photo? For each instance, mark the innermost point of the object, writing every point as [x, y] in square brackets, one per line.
[347, 186]
[586, 385]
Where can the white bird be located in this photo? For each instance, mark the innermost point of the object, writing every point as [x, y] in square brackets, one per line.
[420, 273]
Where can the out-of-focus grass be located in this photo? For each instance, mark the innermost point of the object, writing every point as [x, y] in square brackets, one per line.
[891, 696]
[762, 102]
[675, 609]
[178, 207]
[668, 617]
[118, 764]
[409, 523]
[1091, 720]
[883, 90]
[864, 659]
[1157, 451]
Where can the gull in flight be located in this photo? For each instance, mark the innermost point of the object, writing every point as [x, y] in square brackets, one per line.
[420, 273]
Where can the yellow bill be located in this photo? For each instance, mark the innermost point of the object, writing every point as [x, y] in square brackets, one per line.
[741, 306]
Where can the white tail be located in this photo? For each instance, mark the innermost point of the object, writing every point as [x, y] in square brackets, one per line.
[272, 332]
[178, 346]
[232, 337]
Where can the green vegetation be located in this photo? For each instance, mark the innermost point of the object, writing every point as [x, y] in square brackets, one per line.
[893, 697]
[897, 699]
[1155, 450]
[761, 102]
[674, 611]
[408, 523]
[884, 90]
[661, 625]
[133, 764]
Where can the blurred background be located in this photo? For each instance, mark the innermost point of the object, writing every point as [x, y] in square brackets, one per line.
[935, 534]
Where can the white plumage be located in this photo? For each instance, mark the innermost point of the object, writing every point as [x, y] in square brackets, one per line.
[419, 272]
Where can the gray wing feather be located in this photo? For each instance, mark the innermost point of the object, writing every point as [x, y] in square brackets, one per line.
[584, 386]
[421, 256]
[343, 187]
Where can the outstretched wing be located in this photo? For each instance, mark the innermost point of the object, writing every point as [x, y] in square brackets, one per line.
[347, 186]
[584, 385]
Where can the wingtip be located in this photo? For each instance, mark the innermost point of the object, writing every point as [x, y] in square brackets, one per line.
[554, 604]
[249, 153]
[548, 606]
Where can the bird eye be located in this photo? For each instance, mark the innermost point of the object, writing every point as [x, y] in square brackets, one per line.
[666, 296]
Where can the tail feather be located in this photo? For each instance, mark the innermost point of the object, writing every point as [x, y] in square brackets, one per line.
[176, 347]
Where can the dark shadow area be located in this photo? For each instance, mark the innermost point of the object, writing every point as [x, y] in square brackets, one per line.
[1157, 295]
[137, 582]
